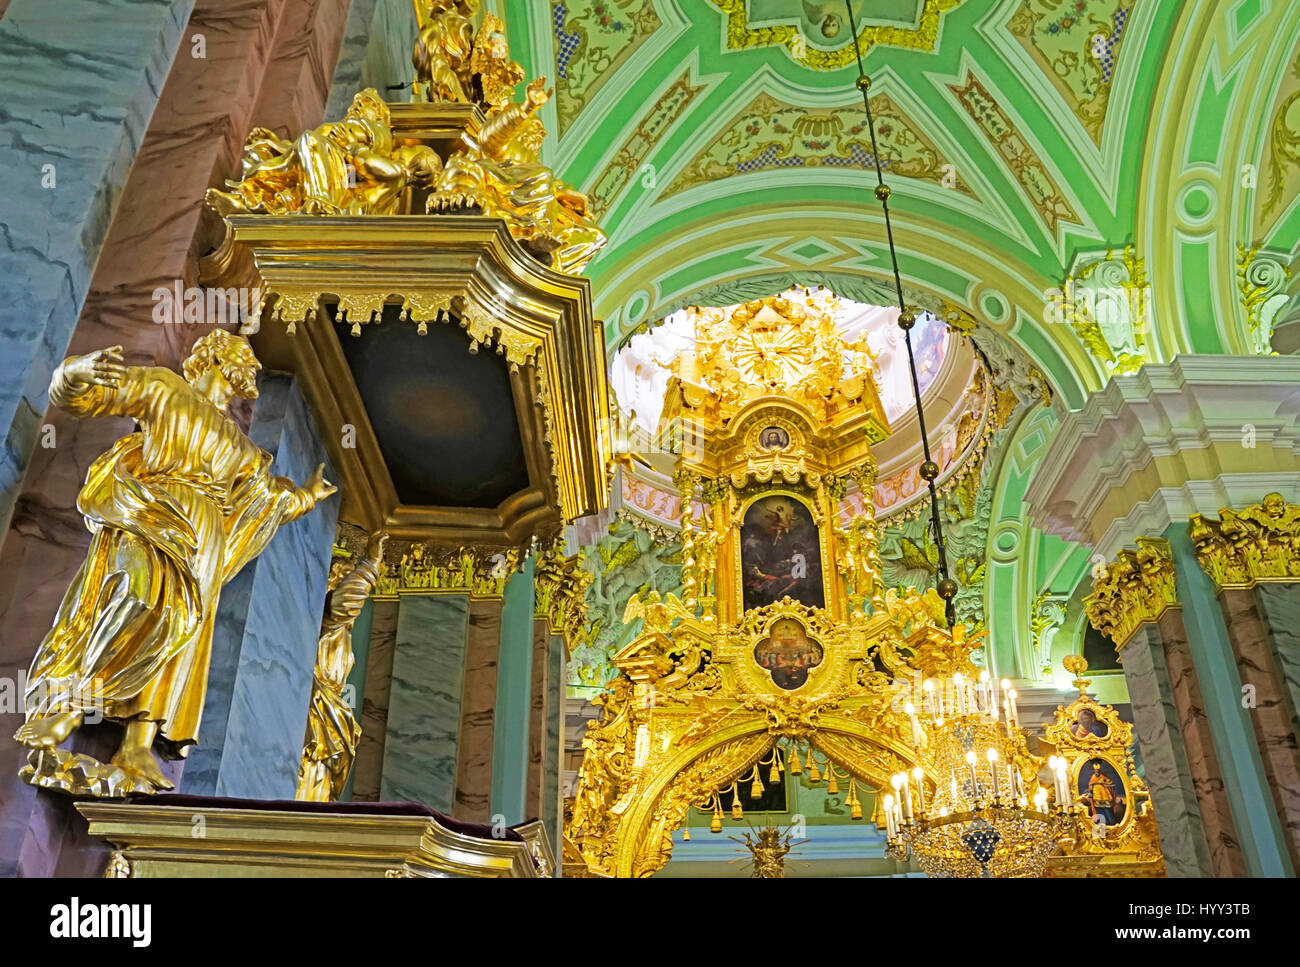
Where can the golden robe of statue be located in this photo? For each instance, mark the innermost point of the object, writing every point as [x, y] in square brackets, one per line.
[332, 727]
[175, 509]
[347, 167]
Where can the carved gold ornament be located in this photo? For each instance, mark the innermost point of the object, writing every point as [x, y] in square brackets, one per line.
[833, 27]
[1136, 589]
[1114, 827]
[777, 412]
[560, 595]
[429, 569]
[1242, 548]
[465, 147]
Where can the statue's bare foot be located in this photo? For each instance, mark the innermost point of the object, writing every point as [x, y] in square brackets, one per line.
[49, 732]
[141, 763]
[224, 202]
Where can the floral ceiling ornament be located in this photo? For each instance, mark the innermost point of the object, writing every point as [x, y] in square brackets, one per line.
[817, 34]
[1107, 301]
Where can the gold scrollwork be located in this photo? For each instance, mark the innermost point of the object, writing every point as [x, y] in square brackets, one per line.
[1136, 589]
[1242, 548]
[427, 569]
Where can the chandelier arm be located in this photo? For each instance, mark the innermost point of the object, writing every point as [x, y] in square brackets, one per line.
[944, 582]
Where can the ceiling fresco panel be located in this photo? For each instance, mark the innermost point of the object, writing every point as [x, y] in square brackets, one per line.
[1022, 161]
[770, 134]
[593, 38]
[1076, 44]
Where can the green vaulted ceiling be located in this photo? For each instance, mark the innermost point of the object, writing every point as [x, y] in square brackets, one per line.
[723, 144]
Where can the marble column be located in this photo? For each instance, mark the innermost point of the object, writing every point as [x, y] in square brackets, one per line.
[424, 709]
[355, 690]
[537, 721]
[552, 798]
[264, 644]
[1269, 707]
[376, 52]
[1257, 823]
[478, 712]
[1185, 835]
[81, 82]
[366, 774]
[514, 679]
[1194, 731]
[1280, 606]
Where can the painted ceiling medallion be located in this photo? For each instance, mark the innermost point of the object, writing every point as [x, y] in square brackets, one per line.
[816, 32]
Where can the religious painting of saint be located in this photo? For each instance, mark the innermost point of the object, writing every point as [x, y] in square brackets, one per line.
[1103, 791]
[774, 438]
[788, 653]
[1086, 724]
[780, 555]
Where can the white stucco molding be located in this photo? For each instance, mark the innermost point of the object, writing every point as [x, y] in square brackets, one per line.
[1174, 439]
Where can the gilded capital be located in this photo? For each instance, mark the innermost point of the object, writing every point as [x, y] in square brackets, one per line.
[560, 594]
[1136, 589]
[1242, 548]
[429, 569]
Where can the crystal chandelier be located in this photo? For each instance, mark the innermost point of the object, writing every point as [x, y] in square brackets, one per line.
[988, 816]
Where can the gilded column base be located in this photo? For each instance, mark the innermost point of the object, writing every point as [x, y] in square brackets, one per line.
[81, 775]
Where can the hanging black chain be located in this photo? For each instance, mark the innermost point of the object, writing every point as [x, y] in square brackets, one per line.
[929, 470]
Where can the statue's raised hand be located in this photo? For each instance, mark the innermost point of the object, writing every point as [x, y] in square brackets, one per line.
[536, 94]
[104, 367]
[318, 486]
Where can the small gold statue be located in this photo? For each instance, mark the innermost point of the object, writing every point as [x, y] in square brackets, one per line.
[768, 848]
[349, 167]
[501, 176]
[332, 727]
[175, 509]
[442, 51]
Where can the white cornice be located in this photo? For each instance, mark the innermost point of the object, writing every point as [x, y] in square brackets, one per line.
[1199, 404]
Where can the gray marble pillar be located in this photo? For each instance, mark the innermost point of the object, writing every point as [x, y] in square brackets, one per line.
[552, 805]
[366, 774]
[538, 702]
[478, 712]
[376, 52]
[1269, 704]
[1280, 606]
[424, 707]
[80, 81]
[268, 624]
[1167, 773]
[514, 680]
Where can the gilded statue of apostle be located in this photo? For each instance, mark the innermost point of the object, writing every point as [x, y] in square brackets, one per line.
[174, 509]
[332, 728]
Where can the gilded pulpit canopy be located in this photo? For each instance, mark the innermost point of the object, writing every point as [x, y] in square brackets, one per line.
[174, 509]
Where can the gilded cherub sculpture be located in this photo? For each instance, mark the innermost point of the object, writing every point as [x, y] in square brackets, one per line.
[175, 509]
[332, 728]
[500, 175]
[350, 167]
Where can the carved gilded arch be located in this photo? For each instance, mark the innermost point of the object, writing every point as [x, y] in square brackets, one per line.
[644, 843]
